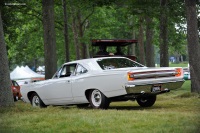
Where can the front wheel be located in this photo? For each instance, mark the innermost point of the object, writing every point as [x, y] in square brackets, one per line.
[98, 100]
[147, 101]
[15, 98]
[36, 101]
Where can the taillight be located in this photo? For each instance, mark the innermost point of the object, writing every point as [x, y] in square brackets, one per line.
[178, 72]
[130, 76]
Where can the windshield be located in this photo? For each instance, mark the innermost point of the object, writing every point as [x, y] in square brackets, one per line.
[113, 63]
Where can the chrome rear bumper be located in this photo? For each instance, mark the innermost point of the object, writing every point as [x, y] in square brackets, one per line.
[147, 88]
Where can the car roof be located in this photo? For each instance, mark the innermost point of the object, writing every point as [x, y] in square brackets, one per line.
[93, 59]
[113, 42]
[91, 63]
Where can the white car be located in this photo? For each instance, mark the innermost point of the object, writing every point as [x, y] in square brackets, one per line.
[98, 81]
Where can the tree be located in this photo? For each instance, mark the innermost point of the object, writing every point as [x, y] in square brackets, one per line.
[76, 35]
[49, 38]
[88, 20]
[141, 40]
[6, 98]
[149, 40]
[164, 59]
[193, 44]
[66, 31]
[81, 11]
[23, 34]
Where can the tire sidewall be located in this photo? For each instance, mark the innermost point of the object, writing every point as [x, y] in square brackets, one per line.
[102, 104]
[15, 98]
[40, 102]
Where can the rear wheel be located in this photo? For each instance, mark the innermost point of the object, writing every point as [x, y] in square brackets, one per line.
[146, 101]
[98, 100]
[36, 101]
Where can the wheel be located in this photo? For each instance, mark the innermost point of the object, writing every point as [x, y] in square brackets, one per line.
[15, 98]
[98, 100]
[146, 101]
[83, 105]
[36, 101]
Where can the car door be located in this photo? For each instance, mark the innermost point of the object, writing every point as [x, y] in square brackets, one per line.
[59, 91]
[79, 84]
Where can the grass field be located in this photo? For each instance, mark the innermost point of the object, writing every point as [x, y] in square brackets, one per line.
[182, 64]
[174, 112]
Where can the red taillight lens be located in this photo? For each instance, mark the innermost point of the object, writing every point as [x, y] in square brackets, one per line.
[130, 76]
[178, 72]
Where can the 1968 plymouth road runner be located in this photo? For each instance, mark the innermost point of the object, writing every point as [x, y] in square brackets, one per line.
[99, 81]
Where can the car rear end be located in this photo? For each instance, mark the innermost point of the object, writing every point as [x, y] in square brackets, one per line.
[154, 81]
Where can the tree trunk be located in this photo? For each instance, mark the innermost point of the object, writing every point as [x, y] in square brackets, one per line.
[82, 44]
[141, 41]
[74, 29]
[133, 45]
[193, 45]
[87, 51]
[6, 96]
[49, 38]
[181, 58]
[150, 62]
[164, 55]
[67, 58]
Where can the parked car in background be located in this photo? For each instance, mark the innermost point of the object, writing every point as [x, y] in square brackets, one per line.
[119, 47]
[99, 81]
[187, 75]
[16, 90]
[186, 71]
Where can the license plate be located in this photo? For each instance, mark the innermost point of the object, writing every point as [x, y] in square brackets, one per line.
[156, 88]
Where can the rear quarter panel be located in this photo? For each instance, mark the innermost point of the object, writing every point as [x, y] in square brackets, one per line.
[110, 83]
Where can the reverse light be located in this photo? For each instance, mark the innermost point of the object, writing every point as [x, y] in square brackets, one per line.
[178, 72]
[130, 76]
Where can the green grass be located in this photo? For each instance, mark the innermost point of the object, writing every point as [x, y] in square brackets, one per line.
[178, 64]
[181, 64]
[174, 112]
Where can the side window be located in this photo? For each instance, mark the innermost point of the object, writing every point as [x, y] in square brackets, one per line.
[67, 70]
[80, 70]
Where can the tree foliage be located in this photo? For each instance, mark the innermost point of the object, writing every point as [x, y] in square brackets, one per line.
[98, 19]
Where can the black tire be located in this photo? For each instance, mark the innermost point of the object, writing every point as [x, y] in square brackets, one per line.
[15, 98]
[36, 101]
[98, 100]
[147, 101]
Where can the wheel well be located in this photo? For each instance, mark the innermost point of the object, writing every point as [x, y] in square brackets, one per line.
[87, 93]
[30, 94]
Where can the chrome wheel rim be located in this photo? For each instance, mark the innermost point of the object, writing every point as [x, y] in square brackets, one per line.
[36, 101]
[96, 98]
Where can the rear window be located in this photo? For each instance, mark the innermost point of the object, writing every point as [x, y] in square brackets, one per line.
[114, 63]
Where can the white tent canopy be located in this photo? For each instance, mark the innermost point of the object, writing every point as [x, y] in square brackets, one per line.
[41, 68]
[24, 73]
